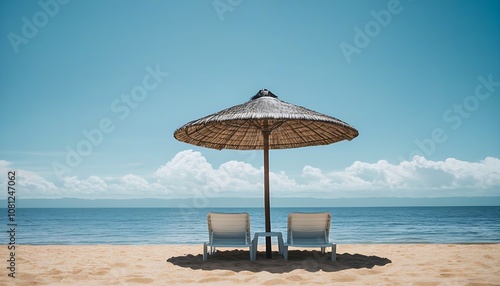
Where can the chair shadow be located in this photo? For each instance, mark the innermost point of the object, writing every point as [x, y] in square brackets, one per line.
[312, 261]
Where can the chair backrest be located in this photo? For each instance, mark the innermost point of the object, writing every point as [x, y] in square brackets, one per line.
[308, 228]
[229, 228]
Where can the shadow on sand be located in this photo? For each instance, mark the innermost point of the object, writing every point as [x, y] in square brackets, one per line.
[312, 261]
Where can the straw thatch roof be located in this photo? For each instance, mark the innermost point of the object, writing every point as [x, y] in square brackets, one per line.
[240, 127]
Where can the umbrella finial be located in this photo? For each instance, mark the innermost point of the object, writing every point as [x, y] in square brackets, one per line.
[264, 92]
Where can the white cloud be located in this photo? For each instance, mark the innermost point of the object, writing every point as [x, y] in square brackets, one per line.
[418, 176]
[27, 184]
[32, 184]
[4, 164]
[189, 174]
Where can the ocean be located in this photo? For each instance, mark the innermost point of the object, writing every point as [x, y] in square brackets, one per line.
[145, 226]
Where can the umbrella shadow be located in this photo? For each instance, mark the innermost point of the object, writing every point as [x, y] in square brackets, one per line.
[312, 261]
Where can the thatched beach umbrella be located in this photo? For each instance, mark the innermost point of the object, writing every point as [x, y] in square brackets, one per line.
[265, 122]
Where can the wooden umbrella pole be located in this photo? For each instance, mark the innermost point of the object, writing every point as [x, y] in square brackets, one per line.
[267, 204]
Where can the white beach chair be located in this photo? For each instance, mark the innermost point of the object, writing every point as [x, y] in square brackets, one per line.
[309, 230]
[228, 230]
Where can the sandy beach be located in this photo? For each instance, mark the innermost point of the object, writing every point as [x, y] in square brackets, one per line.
[375, 264]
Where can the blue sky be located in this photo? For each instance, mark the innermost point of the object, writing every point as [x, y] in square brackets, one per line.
[92, 91]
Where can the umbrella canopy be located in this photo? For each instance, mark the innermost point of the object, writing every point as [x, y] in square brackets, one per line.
[265, 122]
[240, 127]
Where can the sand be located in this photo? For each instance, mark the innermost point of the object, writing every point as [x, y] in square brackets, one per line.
[376, 264]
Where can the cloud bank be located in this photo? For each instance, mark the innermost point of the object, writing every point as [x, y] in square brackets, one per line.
[188, 174]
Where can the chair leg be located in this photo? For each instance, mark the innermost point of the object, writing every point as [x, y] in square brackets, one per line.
[205, 254]
[285, 252]
[254, 249]
[280, 244]
[252, 254]
[334, 252]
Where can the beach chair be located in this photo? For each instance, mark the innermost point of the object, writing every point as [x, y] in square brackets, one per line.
[228, 230]
[309, 230]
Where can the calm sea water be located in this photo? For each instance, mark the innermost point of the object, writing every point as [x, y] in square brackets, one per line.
[189, 226]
